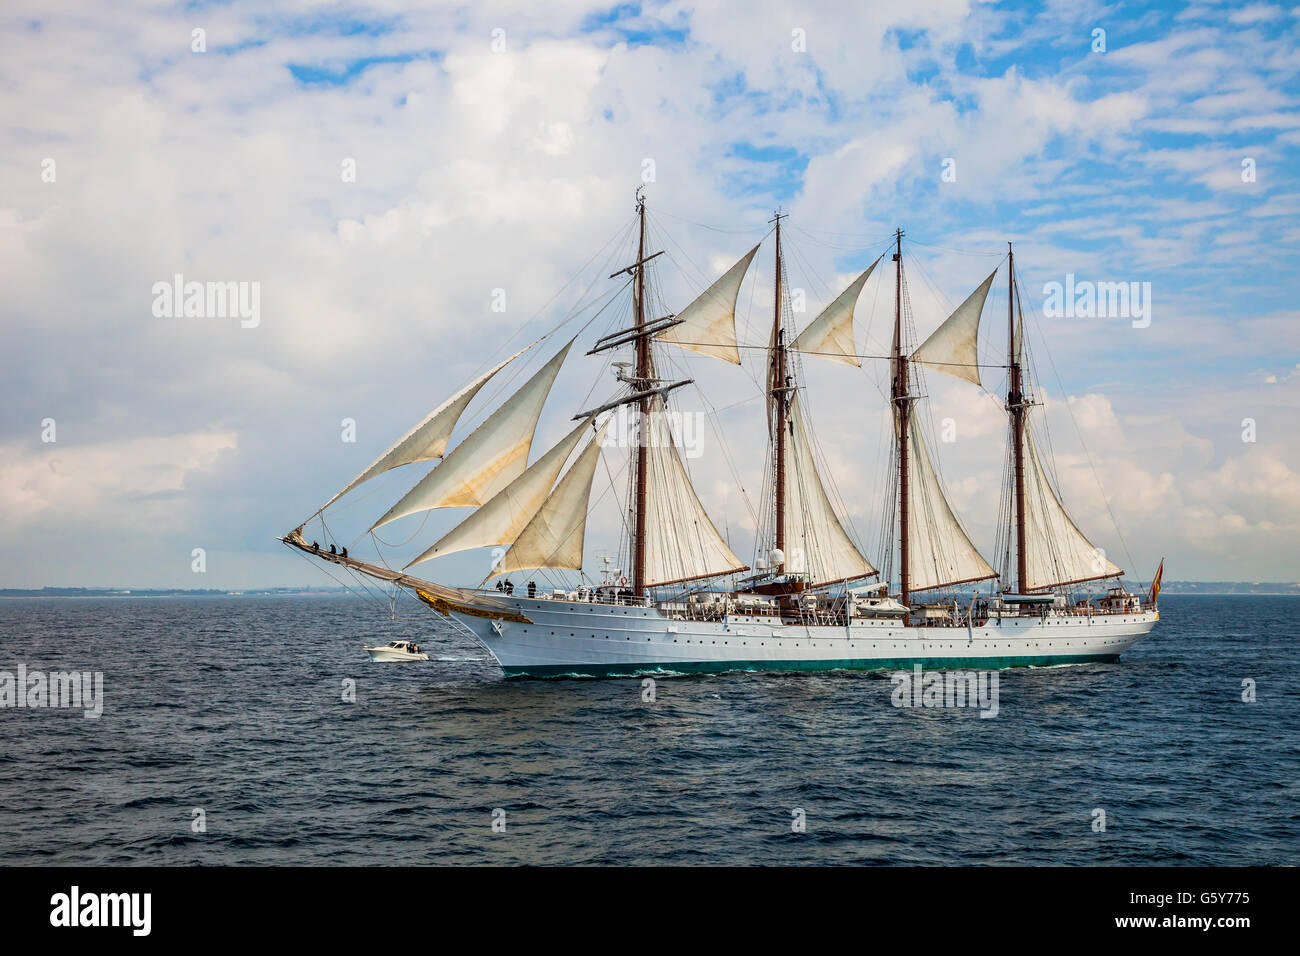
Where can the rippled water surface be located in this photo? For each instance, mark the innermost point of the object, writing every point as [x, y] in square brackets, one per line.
[235, 706]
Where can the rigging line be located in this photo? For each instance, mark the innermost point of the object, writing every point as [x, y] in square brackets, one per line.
[609, 474]
[843, 250]
[743, 401]
[612, 241]
[329, 535]
[865, 239]
[580, 305]
[402, 544]
[679, 362]
[880, 486]
[508, 382]
[918, 264]
[660, 211]
[759, 385]
[763, 527]
[791, 250]
[821, 464]
[1066, 402]
[926, 423]
[395, 586]
[861, 355]
[1004, 532]
[329, 574]
[955, 251]
[750, 279]
[663, 234]
[547, 573]
[612, 299]
[879, 290]
[919, 268]
[591, 505]
[502, 384]
[389, 480]
[356, 576]
[716, 424]
[613, 295]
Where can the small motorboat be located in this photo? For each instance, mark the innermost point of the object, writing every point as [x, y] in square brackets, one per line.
[397, 651]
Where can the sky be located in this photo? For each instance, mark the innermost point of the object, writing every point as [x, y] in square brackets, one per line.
[379, 171]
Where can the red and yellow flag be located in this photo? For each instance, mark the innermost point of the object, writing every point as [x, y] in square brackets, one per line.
[1155, 583]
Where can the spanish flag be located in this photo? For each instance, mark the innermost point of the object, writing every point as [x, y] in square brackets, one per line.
[1155, 583]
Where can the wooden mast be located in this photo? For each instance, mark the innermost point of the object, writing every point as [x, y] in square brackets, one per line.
[1016, 406]
[779, 397]
[644, 375]
[901, 400]
[645, 387]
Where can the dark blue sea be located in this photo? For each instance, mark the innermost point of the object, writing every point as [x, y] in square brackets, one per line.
[235, 707]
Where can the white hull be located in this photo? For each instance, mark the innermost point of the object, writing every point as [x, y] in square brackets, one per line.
[389, 654]
[567, 638]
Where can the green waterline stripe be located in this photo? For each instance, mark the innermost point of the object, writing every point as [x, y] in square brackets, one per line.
[841, 664]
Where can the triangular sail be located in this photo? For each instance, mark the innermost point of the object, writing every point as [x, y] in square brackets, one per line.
[493, 455]
[830, 335]
[708, 325]
[773, 368]
[554, 536]
[939, 550]
[502, 519]
[952, 347]
[1056, 552]
[682, 543]
[428, 439]
[816, 543]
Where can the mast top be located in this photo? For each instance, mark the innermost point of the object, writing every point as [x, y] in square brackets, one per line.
[778, 215]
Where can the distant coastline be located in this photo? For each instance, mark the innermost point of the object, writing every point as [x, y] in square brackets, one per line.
[46, 593]
[1256, 588]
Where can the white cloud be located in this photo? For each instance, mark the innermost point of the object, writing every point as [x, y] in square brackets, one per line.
[126, 487]
[478, 171]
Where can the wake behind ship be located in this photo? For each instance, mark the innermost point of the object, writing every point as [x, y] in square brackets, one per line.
[810, 599]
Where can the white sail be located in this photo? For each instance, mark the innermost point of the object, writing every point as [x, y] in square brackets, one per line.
[493, 455]
[682, 543]
[830, 335]
[1018, 340]
[952, 347]
[554, 536]
[428, 439]
[1056, 552]
[940, 552]
[816, 543]
[708, 325]
[502, 519]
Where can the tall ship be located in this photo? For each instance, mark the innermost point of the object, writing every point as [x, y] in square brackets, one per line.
[679, 599]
